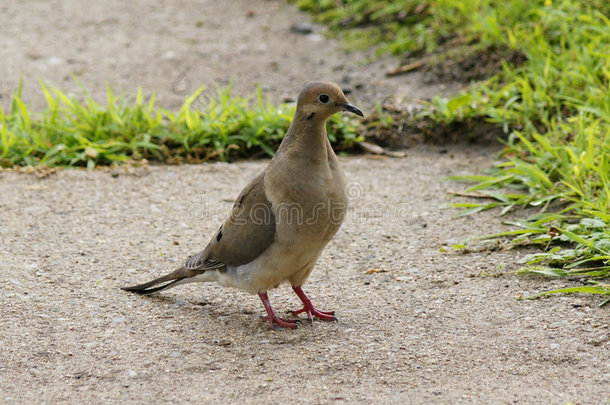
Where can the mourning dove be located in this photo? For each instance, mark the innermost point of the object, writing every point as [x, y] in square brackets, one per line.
[283, 219]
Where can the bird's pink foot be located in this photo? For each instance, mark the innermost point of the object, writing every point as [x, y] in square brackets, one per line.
[311, 312]
[281, 322]
[309, 309]
[272, 318]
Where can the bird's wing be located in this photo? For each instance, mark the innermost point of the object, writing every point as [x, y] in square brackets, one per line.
[249, 230]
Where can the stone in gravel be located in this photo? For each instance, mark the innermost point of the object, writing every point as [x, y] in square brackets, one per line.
[315, 38]
[303, 28]
[180, 303]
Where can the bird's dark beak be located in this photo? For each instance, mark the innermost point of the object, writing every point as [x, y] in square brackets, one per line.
[351, 108]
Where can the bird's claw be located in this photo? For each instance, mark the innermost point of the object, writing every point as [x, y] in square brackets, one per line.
[281, 322]
[311, 312]
[309, 309]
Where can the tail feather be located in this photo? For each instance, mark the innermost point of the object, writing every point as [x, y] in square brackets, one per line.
[171, 279]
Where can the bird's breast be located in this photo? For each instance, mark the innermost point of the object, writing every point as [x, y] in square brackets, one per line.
[311, 208]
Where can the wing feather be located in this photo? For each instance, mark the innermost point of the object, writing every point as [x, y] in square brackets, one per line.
[249, 230]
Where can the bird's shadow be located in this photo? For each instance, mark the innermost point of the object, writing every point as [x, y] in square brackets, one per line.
[246, 322]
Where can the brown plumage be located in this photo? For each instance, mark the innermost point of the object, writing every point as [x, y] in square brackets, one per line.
[283, 218]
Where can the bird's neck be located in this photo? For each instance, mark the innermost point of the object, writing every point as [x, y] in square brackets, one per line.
[306, 137]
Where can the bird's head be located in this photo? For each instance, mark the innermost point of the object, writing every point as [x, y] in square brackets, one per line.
[320, 100]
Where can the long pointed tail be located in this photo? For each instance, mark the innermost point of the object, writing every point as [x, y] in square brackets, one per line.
[170, 279]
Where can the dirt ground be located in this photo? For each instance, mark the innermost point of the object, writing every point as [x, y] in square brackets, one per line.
[422, 327]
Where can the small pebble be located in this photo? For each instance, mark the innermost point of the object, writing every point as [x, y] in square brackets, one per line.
[301, 28]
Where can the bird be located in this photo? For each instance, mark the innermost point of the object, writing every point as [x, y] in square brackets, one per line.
[283, 219]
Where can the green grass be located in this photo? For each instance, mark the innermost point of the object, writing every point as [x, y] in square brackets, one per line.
[554, 108]
[75, 131]
[419, 26]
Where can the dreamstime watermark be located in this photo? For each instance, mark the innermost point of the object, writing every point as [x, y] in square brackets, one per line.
[357, 211]
[182, 85]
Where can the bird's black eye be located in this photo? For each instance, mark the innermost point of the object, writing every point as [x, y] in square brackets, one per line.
[324, 98]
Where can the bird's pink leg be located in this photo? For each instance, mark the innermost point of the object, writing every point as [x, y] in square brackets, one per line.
[309, 309]
[272, 318]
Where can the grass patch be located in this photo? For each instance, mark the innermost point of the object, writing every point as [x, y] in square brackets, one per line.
[413, 26]
[82, 132]
[553, 107]
[557, 157]
[421, 27]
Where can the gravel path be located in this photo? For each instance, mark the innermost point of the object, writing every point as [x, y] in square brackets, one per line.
[425, 328]
[415, 325]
